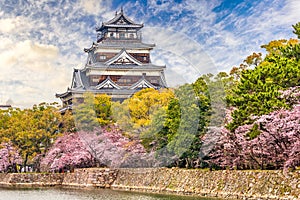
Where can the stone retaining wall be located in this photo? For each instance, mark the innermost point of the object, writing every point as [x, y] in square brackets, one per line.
[223, 184]
[91, 177]
[30, 179]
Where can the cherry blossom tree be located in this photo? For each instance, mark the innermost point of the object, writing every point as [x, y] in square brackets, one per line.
[270, 142]
[111, 148]
[105, 146]
[9, 158]
[67, 152]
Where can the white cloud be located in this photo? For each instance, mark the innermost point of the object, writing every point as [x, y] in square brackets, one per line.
[27, 54]
[30, 72]
[94, 7]
[266, 21]
[185, 58]
[9, 25]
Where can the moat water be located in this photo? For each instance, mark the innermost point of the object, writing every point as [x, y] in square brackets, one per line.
[84, 194]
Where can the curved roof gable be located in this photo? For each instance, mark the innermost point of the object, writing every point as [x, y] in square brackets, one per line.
[107, 84]
[142, 83]
[123, 58]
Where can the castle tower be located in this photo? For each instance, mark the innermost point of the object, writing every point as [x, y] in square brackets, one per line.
[118, 64]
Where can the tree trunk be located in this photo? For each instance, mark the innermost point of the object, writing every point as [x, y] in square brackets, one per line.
[25, 162]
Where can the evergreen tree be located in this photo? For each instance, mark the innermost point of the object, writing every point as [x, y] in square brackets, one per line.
[257, 92]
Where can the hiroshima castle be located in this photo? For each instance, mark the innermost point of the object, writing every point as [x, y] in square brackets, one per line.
[118, 64]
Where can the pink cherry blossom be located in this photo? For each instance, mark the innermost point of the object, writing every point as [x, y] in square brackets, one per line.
[276, 146]
[9, 158]
[105, 146]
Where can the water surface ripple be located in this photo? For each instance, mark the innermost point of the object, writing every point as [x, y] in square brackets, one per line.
[84, 194]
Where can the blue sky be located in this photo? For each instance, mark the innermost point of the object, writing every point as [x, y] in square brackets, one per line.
[42, 41]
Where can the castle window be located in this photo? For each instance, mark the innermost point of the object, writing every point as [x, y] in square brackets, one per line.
[124, 80]
[102, 57]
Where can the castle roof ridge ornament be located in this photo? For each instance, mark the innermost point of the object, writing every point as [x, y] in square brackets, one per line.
[92, 48]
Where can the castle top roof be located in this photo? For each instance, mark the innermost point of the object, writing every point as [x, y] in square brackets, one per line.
[120, 21]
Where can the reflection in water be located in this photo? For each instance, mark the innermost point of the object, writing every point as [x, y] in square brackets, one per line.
[80, 194]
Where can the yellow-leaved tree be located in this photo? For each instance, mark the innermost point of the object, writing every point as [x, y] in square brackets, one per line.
[134, 115]
[32, 131]
[143, 104]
